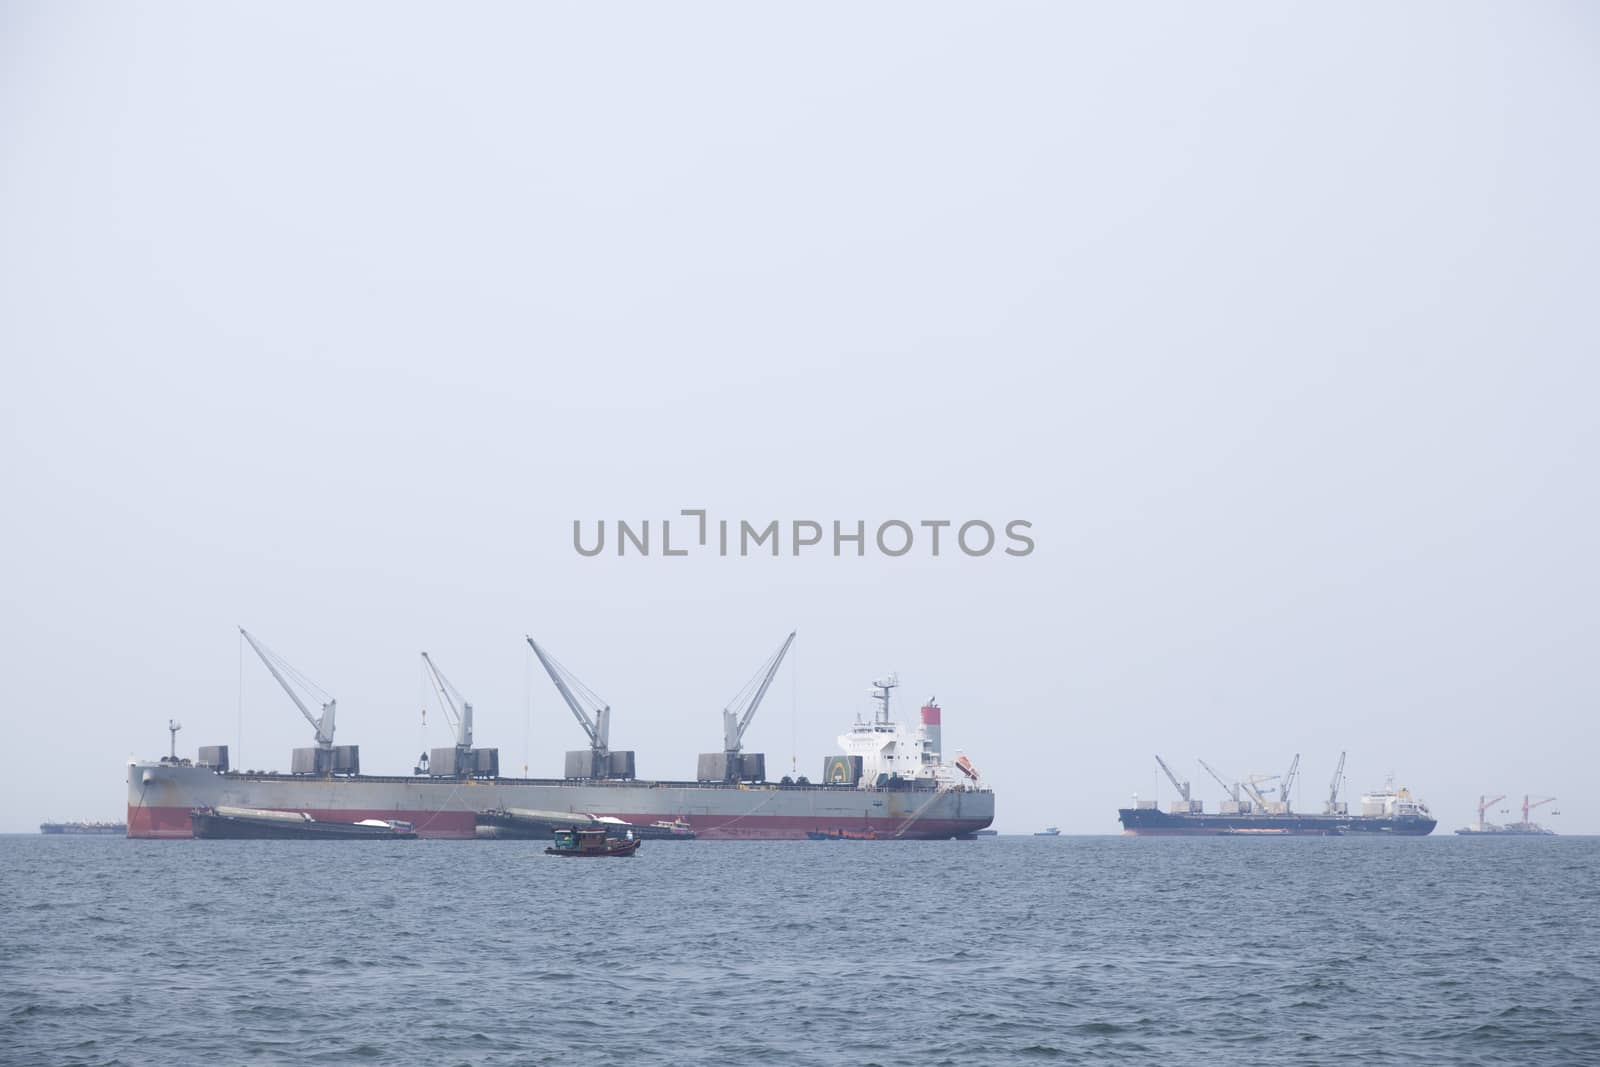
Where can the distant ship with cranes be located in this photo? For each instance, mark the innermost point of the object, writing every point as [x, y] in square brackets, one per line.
[1255, 808]
[1526, 828]
[891, 781]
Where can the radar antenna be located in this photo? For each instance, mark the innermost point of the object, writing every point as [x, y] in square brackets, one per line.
[881, 691]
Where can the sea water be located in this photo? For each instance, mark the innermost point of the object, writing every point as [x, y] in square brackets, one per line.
[1093, 950]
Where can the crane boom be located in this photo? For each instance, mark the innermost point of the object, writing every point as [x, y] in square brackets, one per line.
[1484, 804]
[460, 716]
[599, 727]
[1333, 787]
[1253, 787]
[1288, 779]
[734, 724]
[1181, 787]
[1527, 807]
[324, 724]
[1231, 790]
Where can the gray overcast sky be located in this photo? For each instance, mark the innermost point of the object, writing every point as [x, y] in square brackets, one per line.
[1278, 321]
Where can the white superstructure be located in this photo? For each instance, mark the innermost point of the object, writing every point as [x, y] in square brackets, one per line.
[891, 748]
[1390, 802]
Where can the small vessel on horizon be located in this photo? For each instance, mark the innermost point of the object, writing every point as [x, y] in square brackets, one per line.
[1048, 831]
[80, 827]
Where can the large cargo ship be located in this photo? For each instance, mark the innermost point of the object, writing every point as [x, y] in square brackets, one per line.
[890, 779]
[1526, 828]
[1251, 810]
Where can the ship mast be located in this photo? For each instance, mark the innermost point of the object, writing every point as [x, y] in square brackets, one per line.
[881, 691]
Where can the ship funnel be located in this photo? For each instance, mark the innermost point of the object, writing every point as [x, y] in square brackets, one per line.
[932, 732]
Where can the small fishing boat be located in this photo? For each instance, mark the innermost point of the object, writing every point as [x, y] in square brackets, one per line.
[842, 835]
[1048, 831]
[575, 842]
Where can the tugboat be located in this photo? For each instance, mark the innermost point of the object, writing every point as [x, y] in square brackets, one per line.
[575, 842]
[224, 823]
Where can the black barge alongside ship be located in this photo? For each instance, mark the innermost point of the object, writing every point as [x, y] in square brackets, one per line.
[234, 824]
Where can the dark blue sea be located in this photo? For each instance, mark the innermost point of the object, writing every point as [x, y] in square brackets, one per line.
[1008, 950]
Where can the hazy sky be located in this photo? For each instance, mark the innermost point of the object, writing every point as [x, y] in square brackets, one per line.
[1278, 322]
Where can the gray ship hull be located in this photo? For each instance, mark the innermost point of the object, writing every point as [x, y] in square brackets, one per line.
[162, 794]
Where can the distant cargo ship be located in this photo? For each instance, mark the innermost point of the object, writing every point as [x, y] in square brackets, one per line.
[1526, 828]
[890, 780]
[83, 828]
[1250, 812]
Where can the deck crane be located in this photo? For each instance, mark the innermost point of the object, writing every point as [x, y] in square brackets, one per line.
[1181, 787]
[736, 719]
[1287, 782]
[278, 667]
[1231, 790]
[597, 725]
[1484, 804]
[457, 710]
[1253, 786]
[1332, 807]
[1528, 804]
